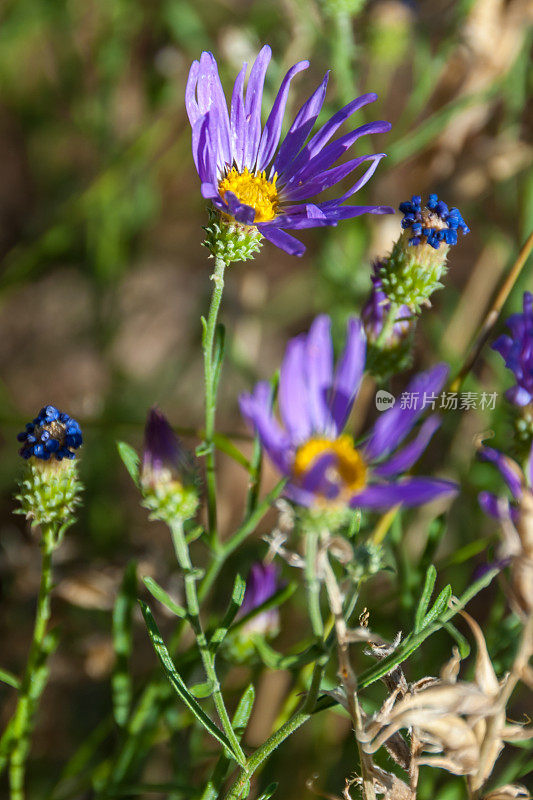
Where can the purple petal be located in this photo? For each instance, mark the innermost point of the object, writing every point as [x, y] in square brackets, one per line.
[256, 408]
[191, 105]
[211, 96]
[319, 364]
[336, 214]
[283, 240]
[315, 479]
[240, 211]
[518, 396]
[403, 459]
[332, 152]
[204, 158]
[509, 469]
[325, 180]
[252, 106]
[238, 120]
[409, 492]
[272, 130]
[298, 495]
[503, 346]
[209, 190]
[348, 373]
[324, 134]
[292, 395]
[300, 128]
[497, 507]
[394, 425]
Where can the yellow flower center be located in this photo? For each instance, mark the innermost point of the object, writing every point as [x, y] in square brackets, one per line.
[349, 468]
[252, 189]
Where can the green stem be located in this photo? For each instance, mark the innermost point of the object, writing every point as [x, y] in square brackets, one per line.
[208, 659]
[31, 687]
[313, 584]
[388, 325]
[211, 385]
[149, 703]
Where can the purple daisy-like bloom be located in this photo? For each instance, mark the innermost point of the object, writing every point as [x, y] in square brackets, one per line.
[517, 480]
[253, 179]
[517, 351]
[310, 448]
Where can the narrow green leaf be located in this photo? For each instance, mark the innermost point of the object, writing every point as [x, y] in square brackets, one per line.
[439, 606]
[218, 352]
[122, 642]
[427, 591]
[269, 791]
[202, 690]
[131, 460]
[461, 641]
[237, 596]
[9, 678]
[413, 641]
[159, 593]
[178, 684]
[243, 710]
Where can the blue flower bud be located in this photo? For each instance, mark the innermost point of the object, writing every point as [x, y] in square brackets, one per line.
[50, 489]
[51, 433]
[418, 260]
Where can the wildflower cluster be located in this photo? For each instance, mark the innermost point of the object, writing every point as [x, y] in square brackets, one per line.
[259, 186]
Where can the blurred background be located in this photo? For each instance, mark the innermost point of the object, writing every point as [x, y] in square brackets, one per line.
[104, 277]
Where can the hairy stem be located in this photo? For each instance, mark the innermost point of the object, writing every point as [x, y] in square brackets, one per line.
[211, 385]
[208, 660]
[32, 686]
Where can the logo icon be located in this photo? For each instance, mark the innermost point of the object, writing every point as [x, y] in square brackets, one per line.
[384, 400]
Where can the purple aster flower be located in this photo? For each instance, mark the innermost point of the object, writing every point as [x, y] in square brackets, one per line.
[517, 351]
[164, 458]
[51, 435]
[261, 585]
[309, 447]
[253, 179]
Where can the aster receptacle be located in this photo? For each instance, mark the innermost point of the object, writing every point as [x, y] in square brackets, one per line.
[49, 491]
[517, 352]
[261, 188]
[168, 477]
[417, 263]
[324, 467]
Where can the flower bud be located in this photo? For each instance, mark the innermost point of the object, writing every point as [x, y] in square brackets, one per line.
[417, 263]
[50, 489]
[167, 476]
[230, 240]
[388, 344]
